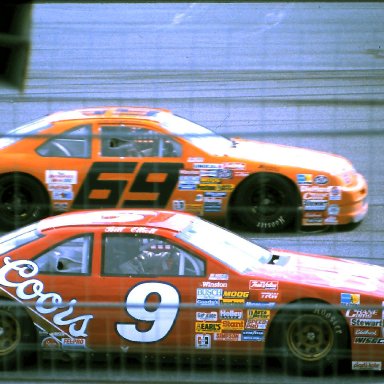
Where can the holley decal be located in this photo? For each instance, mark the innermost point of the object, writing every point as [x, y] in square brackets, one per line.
[45, 303]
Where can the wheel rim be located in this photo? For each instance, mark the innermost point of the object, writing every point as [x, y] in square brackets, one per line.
[10, 333]
[267, 202]
[310, 338]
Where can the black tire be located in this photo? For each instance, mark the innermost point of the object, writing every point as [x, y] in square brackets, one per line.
[17, 337]
[266, 202]
[312, 339]
[22, 201]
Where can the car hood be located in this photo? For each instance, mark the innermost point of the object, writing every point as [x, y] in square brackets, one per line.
[276, 154]
[326, 271]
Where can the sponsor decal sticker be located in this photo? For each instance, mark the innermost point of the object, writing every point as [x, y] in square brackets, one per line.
[232, 301]
[236, 294]
[350, 299]
[333, 209]
[207, 327]
[60, 177]
[363, 313]
[218, 276]
[261, 284]
[206, 316]
[369, 340]
[178, 205]
[367, 332]
[50, 343]
[202, 341]
[321, 179]
[69, 343]
[366, 365]
[268, 295]
[231, 314]
[216, 284]
[208, 302]
[207, 166]
[252, 335]
[232, 325]
[209, 293]
[335, 193]
[227, 336]
[304, 178]
[259, 314]
[256, 324]
[366, 322]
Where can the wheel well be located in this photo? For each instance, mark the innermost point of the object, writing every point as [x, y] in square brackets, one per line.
[5, 301]
[297, 304]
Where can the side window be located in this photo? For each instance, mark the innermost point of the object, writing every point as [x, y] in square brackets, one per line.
[70, 257]
[125, 254]
[73, 143]
[126, 141]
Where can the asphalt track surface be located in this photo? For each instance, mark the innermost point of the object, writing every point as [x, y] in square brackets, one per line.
[304, 74]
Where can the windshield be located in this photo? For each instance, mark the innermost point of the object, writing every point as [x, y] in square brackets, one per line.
[18, 238]
[199, 136]
[19, 133]
[227, 247]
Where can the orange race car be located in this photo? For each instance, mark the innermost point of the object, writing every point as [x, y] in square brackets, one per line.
[119, 157]
[169, 283]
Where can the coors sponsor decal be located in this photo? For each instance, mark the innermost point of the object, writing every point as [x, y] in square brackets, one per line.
[45, 303]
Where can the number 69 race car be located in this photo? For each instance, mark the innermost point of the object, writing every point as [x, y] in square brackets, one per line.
[136, 157]
[164, 282]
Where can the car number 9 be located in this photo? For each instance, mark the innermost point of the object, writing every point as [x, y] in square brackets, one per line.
[162, 315]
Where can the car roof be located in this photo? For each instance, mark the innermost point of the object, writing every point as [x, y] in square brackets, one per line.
[155, 218]
[148, 113]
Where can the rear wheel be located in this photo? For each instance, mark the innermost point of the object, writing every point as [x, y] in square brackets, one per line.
[266, 202]
[312, 340]
[22, 201]
[17, 337]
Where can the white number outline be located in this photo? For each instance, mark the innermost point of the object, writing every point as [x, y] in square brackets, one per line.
[163, 317]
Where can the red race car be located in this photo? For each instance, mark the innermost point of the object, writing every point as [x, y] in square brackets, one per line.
[160, 282]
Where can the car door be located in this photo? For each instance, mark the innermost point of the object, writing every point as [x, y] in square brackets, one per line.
[63, 161]
[146, 287]
[134, 167]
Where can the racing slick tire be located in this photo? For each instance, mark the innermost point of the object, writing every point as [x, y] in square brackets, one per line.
[22, 201]
[311, 339]
[17, 336]
[266, 202]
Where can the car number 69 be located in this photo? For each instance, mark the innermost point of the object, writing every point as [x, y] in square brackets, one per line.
[161, 318]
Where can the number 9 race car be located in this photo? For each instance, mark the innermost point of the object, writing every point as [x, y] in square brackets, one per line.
[164, 282]
[131, 157]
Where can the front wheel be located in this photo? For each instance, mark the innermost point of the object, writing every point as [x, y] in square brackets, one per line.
[312, 340]
[266, 202]
[22, 201]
